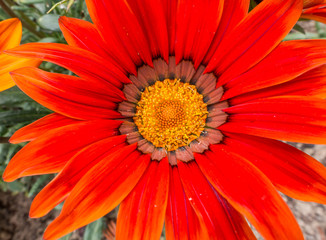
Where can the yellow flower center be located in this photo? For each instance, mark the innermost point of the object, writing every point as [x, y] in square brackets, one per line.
[171, 114]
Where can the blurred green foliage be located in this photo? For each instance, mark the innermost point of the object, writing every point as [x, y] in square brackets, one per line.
[17, 109]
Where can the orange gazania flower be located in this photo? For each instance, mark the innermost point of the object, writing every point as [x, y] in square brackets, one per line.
[10, 36]
[176, 116]
[315, 10]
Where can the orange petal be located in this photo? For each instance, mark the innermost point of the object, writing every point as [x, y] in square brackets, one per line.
[171, 14]
[311, 83]
[41, 126]
[68, 95]
[10, 33]
[50, 152]
[118, 24]
[311, 3]
[287, 61]
[292, 172]
[317, 13]
[249, 192]
[221, 220]
[8, 64]
[99, 191]
[181, 221]
[145, 205]
[82, 62]
[10, 36]
[289, 118]
[6, 82]
[83, 34]
[255, 37]
[233, 13]
[196, 24]
[153, 21]
[310, 107]
[60, 187]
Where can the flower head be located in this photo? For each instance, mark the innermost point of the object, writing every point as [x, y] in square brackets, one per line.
[10, 36]
[176, 115]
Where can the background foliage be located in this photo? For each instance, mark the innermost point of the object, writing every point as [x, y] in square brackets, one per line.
[40, 24]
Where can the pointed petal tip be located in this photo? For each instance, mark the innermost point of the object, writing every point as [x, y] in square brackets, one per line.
[13, 23]
[8, 176]
[36, 212]
[62, 18]
[33, 214]
[13, 139]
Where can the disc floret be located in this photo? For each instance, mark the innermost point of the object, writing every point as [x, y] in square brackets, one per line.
[171, 114]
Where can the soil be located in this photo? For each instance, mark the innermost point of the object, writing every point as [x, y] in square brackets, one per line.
[14, 221]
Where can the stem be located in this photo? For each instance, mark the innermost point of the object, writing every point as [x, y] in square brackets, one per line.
[27, 23]
[7, 9]
[4, 140]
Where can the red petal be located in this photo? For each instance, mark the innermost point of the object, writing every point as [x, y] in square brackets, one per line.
[311, 83]
[67, 95]
[311, 3]
[153, 21]
[60, 187]
[41, 126]
[317, 13]
[181, 220]
[293, 172]
[10, 33]
[249, 192]
[171, 14]
[82, 62]
[121, 30]
[256, 36]
[233, 13]
[145, 205]
[314, 108]
[221, 220]
[282, 131]
[50, 152]
[289, 60]
[196, 24]
[99, 191]
[289, 118]
[83, 34]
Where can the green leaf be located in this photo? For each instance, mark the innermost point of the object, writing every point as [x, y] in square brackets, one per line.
[36, 186]
[296, 35]
[48, 40]
[94, 230]
[300, 29]
[59, 206]
[19, 116]
[252, 5]
[49, 22]
[16, 186]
